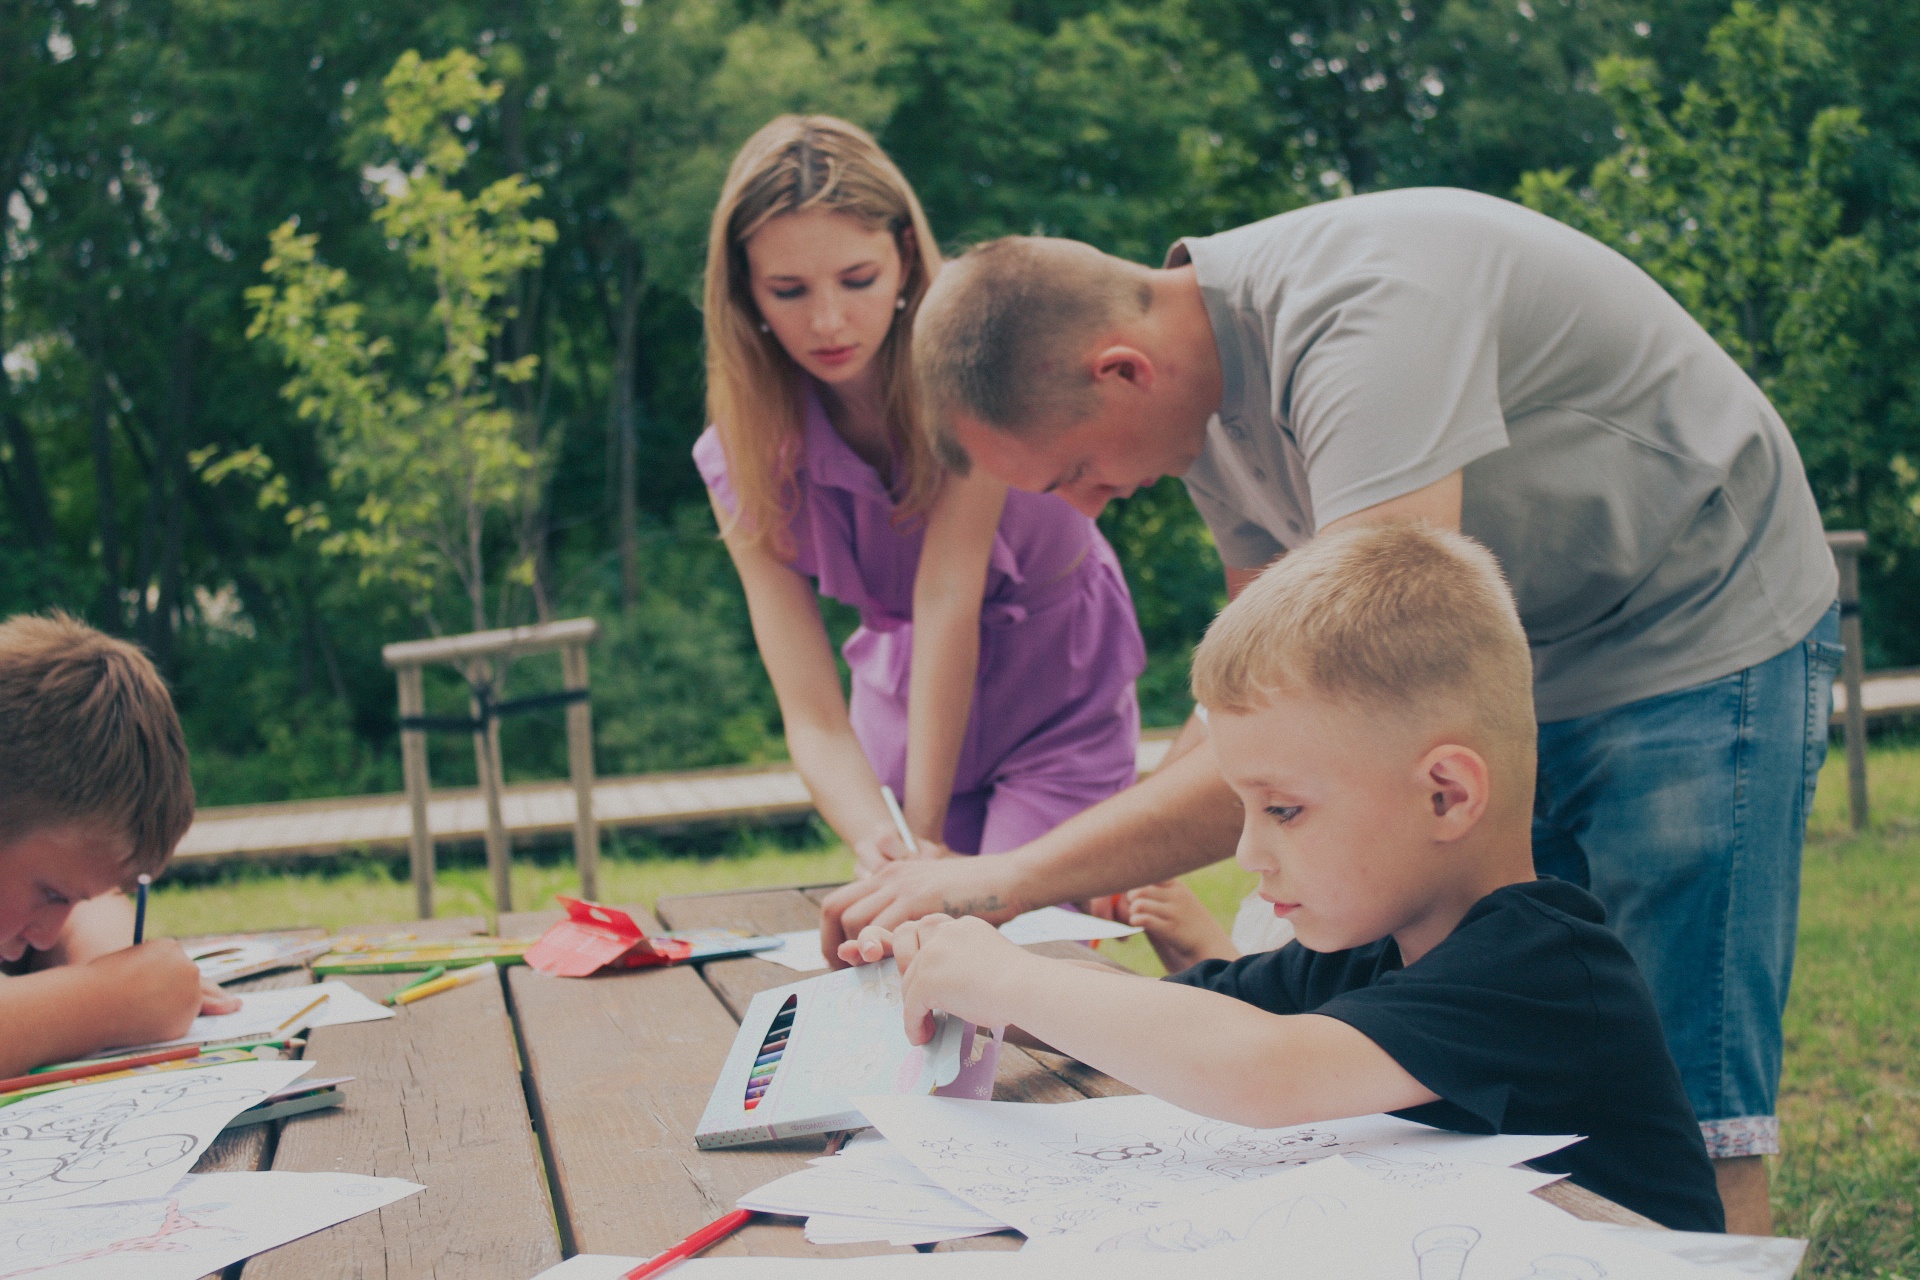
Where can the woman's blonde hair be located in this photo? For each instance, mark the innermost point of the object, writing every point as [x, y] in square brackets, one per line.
[754, 395]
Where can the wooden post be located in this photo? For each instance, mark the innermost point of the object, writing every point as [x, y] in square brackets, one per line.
[484, 655]
[1846, 547]
[486, 758]
[413, 761]
[586, 833]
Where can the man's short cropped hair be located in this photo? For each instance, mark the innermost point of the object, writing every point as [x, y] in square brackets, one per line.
[1003, 334]
[88, 735]
[1404, 619]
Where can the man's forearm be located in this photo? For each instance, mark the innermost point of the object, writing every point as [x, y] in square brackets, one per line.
[1182, 818]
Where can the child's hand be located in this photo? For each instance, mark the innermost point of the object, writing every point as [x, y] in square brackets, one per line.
[215, 1001]
[954, 966]
[1183, 932]
[147, 993]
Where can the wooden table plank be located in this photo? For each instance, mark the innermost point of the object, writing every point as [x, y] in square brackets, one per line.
[620, 1067]
[437, 1098]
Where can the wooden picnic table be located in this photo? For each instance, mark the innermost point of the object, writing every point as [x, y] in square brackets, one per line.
[553, 1116]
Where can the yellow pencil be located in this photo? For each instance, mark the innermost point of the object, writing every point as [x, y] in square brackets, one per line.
[459, 978]
[324, 997]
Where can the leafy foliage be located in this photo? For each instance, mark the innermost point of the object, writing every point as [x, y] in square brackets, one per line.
[152, 476]
[429, 465]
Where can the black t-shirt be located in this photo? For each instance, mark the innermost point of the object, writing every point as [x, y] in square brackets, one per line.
[1530, 1017]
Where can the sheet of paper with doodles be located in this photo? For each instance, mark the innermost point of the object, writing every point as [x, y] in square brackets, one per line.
[124, 1139]
[1049, 1168]
[203, 1224]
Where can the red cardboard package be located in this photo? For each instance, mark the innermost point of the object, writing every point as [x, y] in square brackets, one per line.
[593, 937]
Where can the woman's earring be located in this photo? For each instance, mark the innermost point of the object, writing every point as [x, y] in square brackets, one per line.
[900, 303]
[765, 327]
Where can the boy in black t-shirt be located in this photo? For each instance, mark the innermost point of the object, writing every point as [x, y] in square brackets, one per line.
[1371, 706]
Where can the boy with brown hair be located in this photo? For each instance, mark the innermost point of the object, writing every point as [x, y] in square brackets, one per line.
[1371, 706]
[94, 792]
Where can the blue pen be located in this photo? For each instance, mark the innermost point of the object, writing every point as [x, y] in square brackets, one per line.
[140, 910]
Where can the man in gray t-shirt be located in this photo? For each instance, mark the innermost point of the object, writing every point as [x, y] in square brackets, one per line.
[1442, 355]
[1643, 497]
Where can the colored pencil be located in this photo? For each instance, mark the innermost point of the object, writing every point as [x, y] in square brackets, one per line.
[324, 997]
[140, 910]
[104, 1065]
[899, 819]
[458, 978]
[711, 1234]
[420, 981]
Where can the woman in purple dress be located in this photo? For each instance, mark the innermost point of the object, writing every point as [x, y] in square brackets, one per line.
[994, 665]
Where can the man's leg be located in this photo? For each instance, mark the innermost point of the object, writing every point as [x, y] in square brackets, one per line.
[1685, 815]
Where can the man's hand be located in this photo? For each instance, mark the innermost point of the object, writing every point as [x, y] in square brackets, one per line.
[907, 890]
[960, 967]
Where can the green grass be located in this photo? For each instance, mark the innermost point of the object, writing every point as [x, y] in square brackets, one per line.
[1849, 1178]
[369, 893]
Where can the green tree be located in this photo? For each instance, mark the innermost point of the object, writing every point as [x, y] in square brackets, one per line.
[432, 459]
[1733, 199]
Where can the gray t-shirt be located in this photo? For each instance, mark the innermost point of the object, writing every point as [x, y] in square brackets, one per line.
[1645, 500]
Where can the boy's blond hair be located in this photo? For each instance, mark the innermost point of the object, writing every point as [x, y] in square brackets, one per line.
[1405, 620]
[88, 734]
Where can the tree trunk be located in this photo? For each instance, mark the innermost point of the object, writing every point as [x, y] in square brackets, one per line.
[107, 611]
[623, 444]
[170, 478]
[26, 489]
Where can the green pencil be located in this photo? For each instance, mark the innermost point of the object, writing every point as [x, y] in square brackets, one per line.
[435, 972]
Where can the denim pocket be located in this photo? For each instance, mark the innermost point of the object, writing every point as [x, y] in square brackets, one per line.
[1823, 664]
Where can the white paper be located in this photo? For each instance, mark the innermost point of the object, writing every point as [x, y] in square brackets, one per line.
[243, 957]
[871, 1181]
[594, 1266]
[1762, 1257]
[204, 1223]
[127, 1139]
[1048, 1168]
[262, 1013]
[824, 1228]
[797, 950]
[1328, 1220]
[1057, 924]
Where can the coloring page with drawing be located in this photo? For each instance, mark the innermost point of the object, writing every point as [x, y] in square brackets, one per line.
[205, 1222]
[1049, 1168]
[125, 1139]
[1329, 1221]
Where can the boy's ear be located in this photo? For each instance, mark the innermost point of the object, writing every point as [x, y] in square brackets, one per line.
[1456, 781]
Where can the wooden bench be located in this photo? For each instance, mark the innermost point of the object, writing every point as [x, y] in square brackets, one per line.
[554, 1116]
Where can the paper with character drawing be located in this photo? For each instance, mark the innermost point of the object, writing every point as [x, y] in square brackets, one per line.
[124, 1139]
[204, 1223]
[1049, 1168]
[1330, 1221]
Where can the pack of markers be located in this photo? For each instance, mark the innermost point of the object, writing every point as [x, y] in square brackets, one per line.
[806, 1051]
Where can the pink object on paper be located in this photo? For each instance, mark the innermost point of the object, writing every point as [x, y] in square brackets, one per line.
[593, 937]
[979, 1059]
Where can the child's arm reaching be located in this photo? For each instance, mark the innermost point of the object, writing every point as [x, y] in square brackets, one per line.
[135, 995]
[1183, 932]
[1200, 1050]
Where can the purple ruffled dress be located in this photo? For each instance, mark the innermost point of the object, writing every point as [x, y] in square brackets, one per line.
[1055, 721]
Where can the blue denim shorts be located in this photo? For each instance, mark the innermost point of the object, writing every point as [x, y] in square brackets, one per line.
[1685, 814]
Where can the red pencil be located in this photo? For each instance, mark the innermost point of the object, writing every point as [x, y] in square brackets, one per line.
[101, 1067]
[711, 1234]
